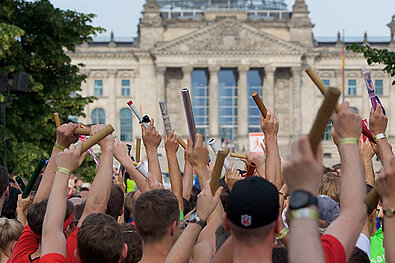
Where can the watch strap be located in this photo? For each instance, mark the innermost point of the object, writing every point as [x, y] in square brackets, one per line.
[198, 221]
[312, 200]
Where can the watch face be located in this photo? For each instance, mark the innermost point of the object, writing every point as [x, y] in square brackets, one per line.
[299, 199]
[192, 217]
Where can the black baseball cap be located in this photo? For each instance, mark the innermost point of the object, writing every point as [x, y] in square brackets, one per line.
[253, 203]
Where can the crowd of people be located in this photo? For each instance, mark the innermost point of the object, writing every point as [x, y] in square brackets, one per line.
[293, 210]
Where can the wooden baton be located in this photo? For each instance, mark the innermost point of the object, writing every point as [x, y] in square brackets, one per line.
[182, 143]
[321, 86]
[82, 131]
[219, 163]
[57, 121]
[259, 103]
[138, 149]
[237, 155]
[97, 137]
[322, 118]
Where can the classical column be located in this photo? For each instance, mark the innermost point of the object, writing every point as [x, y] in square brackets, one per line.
[213, 101]
[296, 101]
[111, 91]
[268, 87]
[242, 107]
[187, 77]
[160, 76]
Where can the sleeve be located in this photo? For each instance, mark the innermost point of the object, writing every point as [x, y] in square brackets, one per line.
[333, 250]
[28, 243]
[71, 246]
[52, 258]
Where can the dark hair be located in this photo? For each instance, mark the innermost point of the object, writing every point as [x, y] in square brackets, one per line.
[3, 180]
[280, 255]
[99, 239]
[36, 213]
[115, 202]
[134, 242]
[358, 256]
[221, 235]
[154, 212]
[9, 208]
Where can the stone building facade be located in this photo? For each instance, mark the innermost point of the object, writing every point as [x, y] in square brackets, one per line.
[222, 55]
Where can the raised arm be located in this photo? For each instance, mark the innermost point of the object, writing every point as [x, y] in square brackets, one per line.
[99, 193]
[151, 140]
[304, 172]
[182, 249]
[53, 239]
[121, 154]
[367, 154]
[347, 227]
[187, 178]
[259, 160]
[64, 137]
[269, 127]
[385, 185]
[171, 147]
[378, 125]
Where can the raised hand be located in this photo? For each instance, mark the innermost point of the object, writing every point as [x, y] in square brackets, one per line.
[206, 202]
[232, 176]
[70, 157]
[107, 143]
[347, 123]
[197, 154]
[171, 143]
[151, 138]
[120, 150]
[377, 121]
[269, 124]
[64, 134]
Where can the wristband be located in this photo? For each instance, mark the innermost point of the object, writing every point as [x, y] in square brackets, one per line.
[348, 141]
[379, 136]
[282, 233]
[304, 213]
[59, 147]
[63, 170]
[390, 212]
[281, 193]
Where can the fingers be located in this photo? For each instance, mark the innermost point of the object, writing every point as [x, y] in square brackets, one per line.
[198, 140]
[79, 147]
[189, 146]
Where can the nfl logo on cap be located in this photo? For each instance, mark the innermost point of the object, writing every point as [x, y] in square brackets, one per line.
[246, 220]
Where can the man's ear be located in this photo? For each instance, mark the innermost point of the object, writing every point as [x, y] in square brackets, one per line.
[226, 223]
[124, 251]
[173, 228]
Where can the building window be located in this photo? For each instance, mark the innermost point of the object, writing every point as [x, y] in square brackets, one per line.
[378, 85]
[73, 118]
[227, 104]
[98, 116]
[326, 82]
[126, 124]
[199, 93]
[327, 136]
[254, 84]
[352, 87]
[125, 87]
[98, 91]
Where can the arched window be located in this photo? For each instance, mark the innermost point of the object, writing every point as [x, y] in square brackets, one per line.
[98, 116]
[126, 124]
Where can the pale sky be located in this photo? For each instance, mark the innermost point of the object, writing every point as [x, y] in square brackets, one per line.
[329, 17]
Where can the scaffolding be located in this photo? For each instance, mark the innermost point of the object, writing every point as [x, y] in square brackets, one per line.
[179, 5]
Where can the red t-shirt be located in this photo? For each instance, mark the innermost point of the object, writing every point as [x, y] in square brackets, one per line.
[333, 250]
[27, 244]
[52, 258]
[71, 246]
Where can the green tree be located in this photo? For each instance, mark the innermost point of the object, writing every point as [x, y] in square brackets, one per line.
[379, 56]
[37, 37]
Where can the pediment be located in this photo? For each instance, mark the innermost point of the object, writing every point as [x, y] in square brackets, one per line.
[228, 35]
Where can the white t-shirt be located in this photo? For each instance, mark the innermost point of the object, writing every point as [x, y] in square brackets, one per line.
[363, 243]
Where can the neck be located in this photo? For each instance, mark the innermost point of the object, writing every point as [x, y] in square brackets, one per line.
[257, 252]
[3, 257]
[156, 252]
[37, 253]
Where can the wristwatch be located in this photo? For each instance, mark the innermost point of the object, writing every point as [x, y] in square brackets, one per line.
[194, 218]
[300, 199]
[390, 212]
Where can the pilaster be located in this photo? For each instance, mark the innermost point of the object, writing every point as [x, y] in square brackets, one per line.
[213, 101]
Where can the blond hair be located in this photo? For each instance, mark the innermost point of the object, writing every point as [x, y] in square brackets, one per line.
[10, 230]
[330, 186]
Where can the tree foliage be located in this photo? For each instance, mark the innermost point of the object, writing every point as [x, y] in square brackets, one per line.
[34, 38]
[379, 56]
